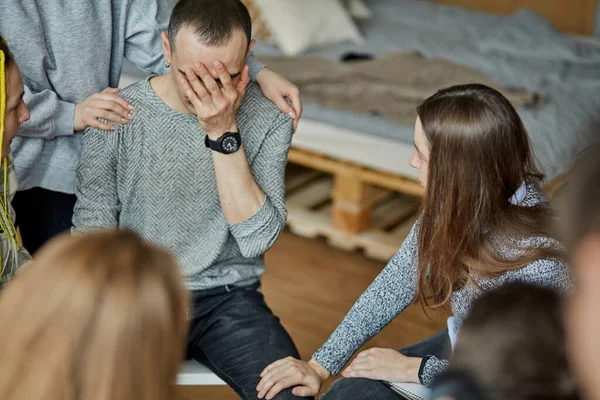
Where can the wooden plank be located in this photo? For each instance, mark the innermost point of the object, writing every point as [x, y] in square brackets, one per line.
[376, 243]
[351, 190]
[393, 211]
[351, 208]
[315, 161]
[306, 223]
[297, 176]
[393, 182]
[380, 245]
[381, 179]
[312, 195]
[569, 16]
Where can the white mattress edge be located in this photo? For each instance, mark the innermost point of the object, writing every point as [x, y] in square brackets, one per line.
[358, 147]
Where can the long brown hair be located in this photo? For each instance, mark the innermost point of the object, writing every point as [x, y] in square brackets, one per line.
[479, 156]
[98, 317]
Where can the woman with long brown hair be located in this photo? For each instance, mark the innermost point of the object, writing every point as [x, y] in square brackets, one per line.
[96, 317]
[484, 221]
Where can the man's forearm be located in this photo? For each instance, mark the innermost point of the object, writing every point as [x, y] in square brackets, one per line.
[240, 195]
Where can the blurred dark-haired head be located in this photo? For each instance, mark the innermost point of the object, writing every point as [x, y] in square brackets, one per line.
[512, 346]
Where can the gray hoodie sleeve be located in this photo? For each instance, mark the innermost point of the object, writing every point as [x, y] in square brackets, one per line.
[143, 44]
[254, 66]
[146, 19]
[52, 117]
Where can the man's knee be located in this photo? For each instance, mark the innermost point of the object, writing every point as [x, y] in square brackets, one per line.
[288, 395]
[352, 388]
[342, 388]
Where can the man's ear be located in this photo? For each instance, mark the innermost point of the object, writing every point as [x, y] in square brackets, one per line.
[166, 47]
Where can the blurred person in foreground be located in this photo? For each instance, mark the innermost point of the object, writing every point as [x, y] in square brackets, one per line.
[13, 112]
[582, 235]
[96, 317]
[512, 346]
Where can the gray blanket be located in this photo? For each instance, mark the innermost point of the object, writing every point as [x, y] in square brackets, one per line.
[391, 86]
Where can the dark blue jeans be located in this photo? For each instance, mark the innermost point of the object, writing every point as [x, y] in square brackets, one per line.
[437, 345]
[235, 334]
[42, 214]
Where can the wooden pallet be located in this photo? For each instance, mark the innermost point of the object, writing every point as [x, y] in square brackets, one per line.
[311, 213]
[352, 206]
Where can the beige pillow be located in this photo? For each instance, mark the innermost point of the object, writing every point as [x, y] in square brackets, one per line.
[298, 25]
[260, 30]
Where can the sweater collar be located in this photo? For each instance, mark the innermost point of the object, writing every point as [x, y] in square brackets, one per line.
[519, 196]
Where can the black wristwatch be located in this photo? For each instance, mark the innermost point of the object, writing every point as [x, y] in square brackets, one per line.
[228, 143]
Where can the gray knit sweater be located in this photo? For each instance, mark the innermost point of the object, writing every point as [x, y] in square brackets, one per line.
[395, 288]
[155, 176]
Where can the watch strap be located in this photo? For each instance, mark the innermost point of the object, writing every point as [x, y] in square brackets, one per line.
[422, 368]
[216, 145]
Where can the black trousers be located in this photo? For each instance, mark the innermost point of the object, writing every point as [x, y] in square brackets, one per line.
[42, 214]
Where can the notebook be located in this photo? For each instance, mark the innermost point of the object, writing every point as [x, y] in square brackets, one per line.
[411, 391]
[416, 391]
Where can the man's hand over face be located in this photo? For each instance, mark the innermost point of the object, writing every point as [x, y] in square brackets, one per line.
[215, 105]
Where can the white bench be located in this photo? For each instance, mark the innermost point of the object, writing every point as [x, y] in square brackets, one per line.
[195, 374]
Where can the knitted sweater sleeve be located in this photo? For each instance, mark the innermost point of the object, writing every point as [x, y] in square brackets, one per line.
[389, 294]
[433, 368]
[551, 273]
[257, 234]
[97, 203]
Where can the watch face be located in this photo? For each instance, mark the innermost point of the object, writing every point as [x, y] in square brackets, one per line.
[230, 144]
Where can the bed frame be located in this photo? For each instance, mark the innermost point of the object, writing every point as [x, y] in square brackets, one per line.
[359, 207]
[352, 206]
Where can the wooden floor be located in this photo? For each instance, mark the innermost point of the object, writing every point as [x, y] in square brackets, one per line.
[311, 286]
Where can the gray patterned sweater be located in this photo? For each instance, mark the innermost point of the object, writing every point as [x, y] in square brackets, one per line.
[395, 288]
[155, 176]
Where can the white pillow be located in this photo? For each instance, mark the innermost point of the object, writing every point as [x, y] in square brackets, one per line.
[298, 25]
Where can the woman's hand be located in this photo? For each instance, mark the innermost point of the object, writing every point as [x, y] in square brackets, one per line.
[106, 104]
[276, 88]
[306, 376]
[384, 364]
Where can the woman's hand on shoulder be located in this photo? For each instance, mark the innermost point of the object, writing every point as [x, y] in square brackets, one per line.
[276, 88]
[384, 364]
[107, 105]
[307, 377]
